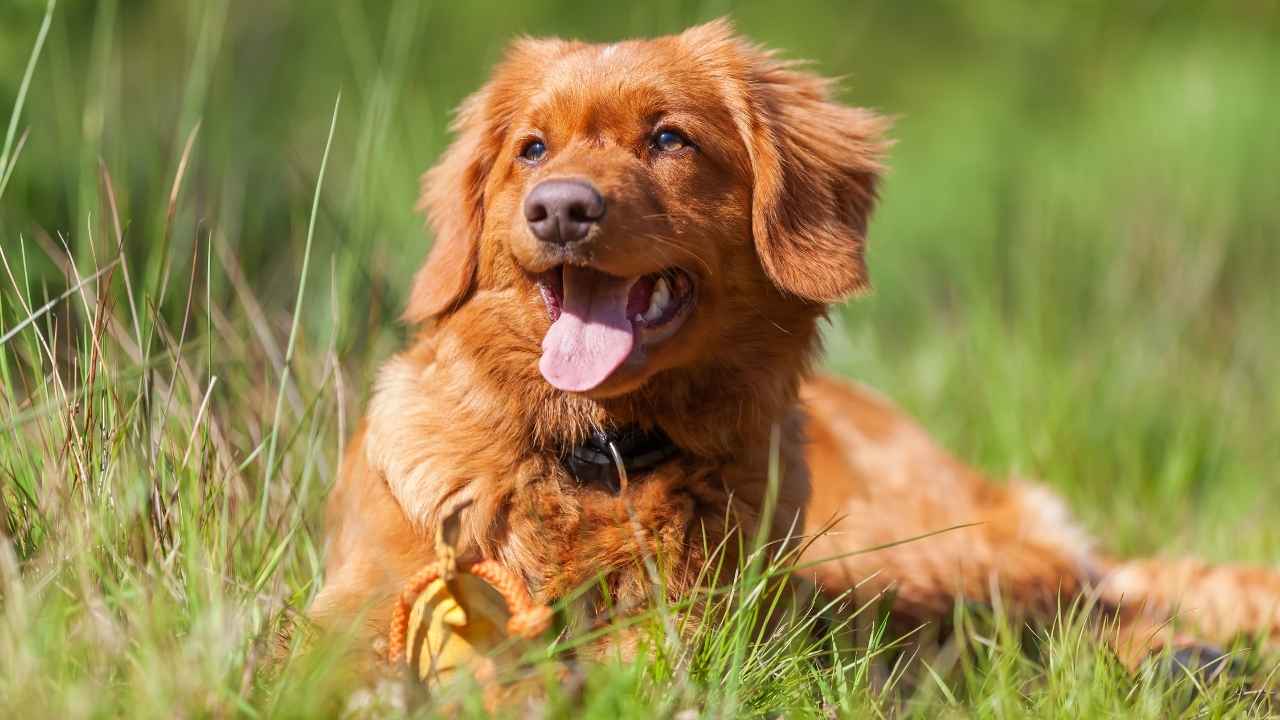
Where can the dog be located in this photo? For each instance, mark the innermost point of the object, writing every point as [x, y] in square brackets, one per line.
[616, 333]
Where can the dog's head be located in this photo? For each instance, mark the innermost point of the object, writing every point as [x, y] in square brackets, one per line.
[631, 208]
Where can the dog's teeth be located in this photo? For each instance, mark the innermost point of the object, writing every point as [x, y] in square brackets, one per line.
[659, 300]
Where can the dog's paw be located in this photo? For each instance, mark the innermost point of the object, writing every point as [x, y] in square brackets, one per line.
[1204, 664]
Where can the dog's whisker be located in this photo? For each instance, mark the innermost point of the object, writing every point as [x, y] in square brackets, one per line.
[682, 249]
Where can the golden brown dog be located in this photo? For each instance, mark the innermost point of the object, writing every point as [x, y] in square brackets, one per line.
[635, 244]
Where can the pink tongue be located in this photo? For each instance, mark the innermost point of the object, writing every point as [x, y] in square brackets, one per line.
[592, 336]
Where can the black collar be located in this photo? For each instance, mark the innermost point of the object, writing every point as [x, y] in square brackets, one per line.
[593, 461]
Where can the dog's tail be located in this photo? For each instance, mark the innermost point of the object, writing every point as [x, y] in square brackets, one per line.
[1159, 601]
[1168, 600]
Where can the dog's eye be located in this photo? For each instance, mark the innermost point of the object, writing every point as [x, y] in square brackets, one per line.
[533, 151]
[669, 140]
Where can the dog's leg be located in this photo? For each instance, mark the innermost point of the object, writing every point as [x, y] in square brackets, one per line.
[371, 551]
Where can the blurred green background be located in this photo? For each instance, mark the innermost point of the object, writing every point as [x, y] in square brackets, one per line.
[1075, 261]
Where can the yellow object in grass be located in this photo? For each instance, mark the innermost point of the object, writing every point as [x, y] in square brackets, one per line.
[459, 624]
[454, 615]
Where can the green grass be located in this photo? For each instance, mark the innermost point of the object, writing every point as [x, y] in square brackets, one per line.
[1075, 266]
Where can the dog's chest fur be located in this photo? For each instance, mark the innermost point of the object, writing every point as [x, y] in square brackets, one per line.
[454, 449]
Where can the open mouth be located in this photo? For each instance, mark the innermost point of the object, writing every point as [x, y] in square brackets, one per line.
[601, 321]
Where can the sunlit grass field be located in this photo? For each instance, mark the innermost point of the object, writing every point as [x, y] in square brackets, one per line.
[207, 232]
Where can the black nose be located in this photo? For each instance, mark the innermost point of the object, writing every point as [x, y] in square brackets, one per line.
[562, 211]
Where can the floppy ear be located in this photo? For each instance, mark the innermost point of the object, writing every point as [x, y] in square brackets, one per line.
[816, 165]
[453, 198]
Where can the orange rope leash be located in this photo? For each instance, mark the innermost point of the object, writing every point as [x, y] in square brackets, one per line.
[528, 619]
